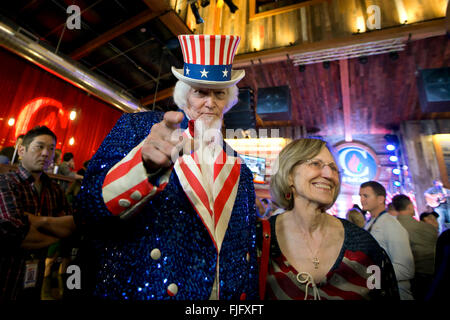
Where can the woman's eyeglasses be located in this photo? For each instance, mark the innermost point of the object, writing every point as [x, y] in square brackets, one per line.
[319, 165]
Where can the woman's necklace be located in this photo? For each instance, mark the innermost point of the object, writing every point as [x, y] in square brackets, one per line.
[315, 258]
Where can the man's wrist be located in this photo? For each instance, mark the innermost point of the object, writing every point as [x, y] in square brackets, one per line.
[151, 172]
[151, 175]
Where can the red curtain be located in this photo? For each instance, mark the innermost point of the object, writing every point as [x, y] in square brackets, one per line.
[32, 96]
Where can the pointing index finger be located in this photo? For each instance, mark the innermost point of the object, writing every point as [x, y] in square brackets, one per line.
[172, 119]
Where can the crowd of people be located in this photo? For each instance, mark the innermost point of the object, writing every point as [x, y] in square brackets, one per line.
[413, 245]
[166, 210]
[410, 244]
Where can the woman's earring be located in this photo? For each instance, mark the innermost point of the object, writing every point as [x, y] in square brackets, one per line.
[288, 195]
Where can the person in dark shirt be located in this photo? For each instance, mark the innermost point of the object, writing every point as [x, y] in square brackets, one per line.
[82, 171]
[66, 168]
[437, 198]
[34, 214]
[441, 282]
[422, 238]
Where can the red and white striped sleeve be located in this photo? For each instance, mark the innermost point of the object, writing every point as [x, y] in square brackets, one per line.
[127, 183]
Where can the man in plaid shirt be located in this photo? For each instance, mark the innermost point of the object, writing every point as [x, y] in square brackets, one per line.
[34, 214]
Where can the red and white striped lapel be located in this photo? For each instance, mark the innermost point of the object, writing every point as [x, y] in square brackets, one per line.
[227, 171]
[213, 209]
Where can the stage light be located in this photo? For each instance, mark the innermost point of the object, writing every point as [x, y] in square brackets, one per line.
[360, 25]
[396, 171]
[73, 115]
[71, 141]
[11, 122]
[397, 183]
[405, 167]
[390, 147]
[393, 158]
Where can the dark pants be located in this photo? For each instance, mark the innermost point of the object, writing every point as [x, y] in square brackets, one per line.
[420, 285]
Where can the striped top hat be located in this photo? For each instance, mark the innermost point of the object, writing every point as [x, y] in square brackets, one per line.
[208, 60]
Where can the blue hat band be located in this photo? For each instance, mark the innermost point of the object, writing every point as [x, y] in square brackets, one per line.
[208, 72]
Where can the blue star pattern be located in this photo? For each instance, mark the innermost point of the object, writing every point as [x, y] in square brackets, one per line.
[204, 73]
[208, 72]
[164, 251]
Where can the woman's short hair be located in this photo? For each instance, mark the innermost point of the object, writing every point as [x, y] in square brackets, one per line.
[357, 217]
[181, 91]
[295, 153]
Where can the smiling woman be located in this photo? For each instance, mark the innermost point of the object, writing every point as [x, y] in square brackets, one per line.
[311, 250]
[302, 152]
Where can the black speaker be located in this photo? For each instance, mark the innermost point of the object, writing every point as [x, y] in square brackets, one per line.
[274, 104]
[242, 115]
[434, 89]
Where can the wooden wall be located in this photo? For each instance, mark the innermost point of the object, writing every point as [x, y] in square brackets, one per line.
[321, 21]
[422, 157]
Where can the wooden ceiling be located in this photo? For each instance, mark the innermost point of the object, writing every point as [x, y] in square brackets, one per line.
[131, 43]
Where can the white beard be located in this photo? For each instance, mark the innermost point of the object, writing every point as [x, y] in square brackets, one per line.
[208, 143]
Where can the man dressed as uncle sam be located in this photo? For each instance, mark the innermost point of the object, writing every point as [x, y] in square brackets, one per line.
[168, 206]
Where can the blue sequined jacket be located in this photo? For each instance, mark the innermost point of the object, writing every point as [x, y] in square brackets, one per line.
[165, 244]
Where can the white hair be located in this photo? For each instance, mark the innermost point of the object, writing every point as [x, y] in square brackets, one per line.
[181, 91]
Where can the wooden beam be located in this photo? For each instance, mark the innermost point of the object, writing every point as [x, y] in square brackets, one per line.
[253, 15]
[114, 33]
[161, 95]
[156, 5]
[417, 31]
[170, 19]
[174, 23]
[345, 91]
